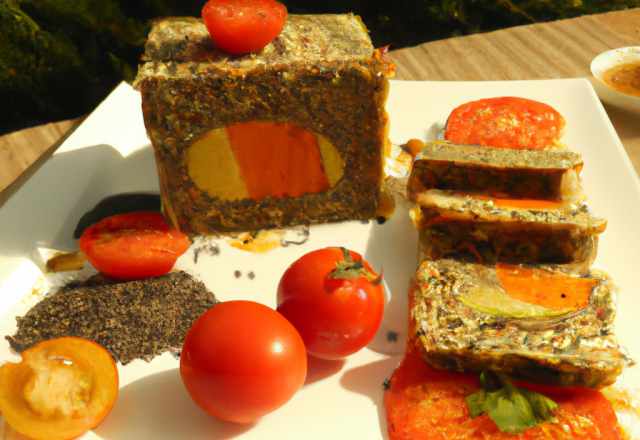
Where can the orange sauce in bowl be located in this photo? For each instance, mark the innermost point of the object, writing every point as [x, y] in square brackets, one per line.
[624, 78]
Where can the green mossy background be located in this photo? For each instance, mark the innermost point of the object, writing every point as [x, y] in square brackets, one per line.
[60, 58]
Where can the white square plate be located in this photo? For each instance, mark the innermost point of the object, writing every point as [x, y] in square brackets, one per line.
[110, 154]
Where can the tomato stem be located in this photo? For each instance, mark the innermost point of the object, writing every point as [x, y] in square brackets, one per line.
[347, 269]
[347, 255]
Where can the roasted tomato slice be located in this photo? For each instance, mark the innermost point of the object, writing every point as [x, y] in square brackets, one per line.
[422, 402]
[133, 246]
[334, 299]
[506, 122]
[61, 389]
[244, 26]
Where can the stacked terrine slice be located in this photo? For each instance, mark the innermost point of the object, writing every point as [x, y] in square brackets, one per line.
[505, 284]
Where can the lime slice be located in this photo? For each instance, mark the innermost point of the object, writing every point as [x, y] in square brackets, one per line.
[492, 300]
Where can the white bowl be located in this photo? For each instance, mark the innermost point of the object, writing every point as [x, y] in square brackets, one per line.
[607, 60]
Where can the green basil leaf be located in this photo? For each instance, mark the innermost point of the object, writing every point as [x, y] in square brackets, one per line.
[513, 409]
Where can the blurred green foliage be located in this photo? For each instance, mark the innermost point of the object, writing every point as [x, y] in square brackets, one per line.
[60, 58]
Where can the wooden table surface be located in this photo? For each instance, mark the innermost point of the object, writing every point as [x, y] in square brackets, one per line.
[561, 49]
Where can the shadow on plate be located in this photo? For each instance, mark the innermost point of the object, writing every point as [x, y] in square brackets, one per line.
[393, 246]
[318, 369]
[158, 406]
[369, 380]
[47, 208]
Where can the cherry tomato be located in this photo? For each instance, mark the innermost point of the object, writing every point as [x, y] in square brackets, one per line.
[133, 246]
[506, 122]
[242, 360]
[244, 26]
[62, 388]
[334, 299]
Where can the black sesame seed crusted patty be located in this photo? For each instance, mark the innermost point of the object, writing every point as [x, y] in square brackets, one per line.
[133, 319]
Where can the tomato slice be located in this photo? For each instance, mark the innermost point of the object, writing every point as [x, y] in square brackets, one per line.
[244, 26]
[133, 246]
[506, 122]
[424, 403]
[61, 389]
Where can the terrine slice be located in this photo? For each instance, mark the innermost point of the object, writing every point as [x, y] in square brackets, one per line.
[497, 172]
[461, 318]
[453, 225]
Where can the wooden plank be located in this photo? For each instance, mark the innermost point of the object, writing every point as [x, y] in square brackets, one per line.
[560, 49]
[20, 149]
[23, 152]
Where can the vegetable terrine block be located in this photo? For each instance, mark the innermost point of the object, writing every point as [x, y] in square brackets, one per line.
[521, 322]
[292, 134]
[487, 231]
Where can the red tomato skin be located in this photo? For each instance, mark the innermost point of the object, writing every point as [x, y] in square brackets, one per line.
[244, 26]
[506, 122]
[242, 360]
[335, 317]
[133, 246]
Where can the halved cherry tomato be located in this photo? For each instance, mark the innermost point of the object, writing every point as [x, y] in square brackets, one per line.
[334, 299]
[506, 122]
[61, 389]
[244, 26]
[133, 246]
[242, 360]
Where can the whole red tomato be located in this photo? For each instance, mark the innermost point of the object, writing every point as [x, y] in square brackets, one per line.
[133, 246]
[242, 360]
[335, 301]
[244, 26]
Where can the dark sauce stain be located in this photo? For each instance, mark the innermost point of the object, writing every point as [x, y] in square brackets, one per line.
[392, 336]
[381, 220]
[237, 274]
[301, 237]
[211, 249]
[251, 275]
